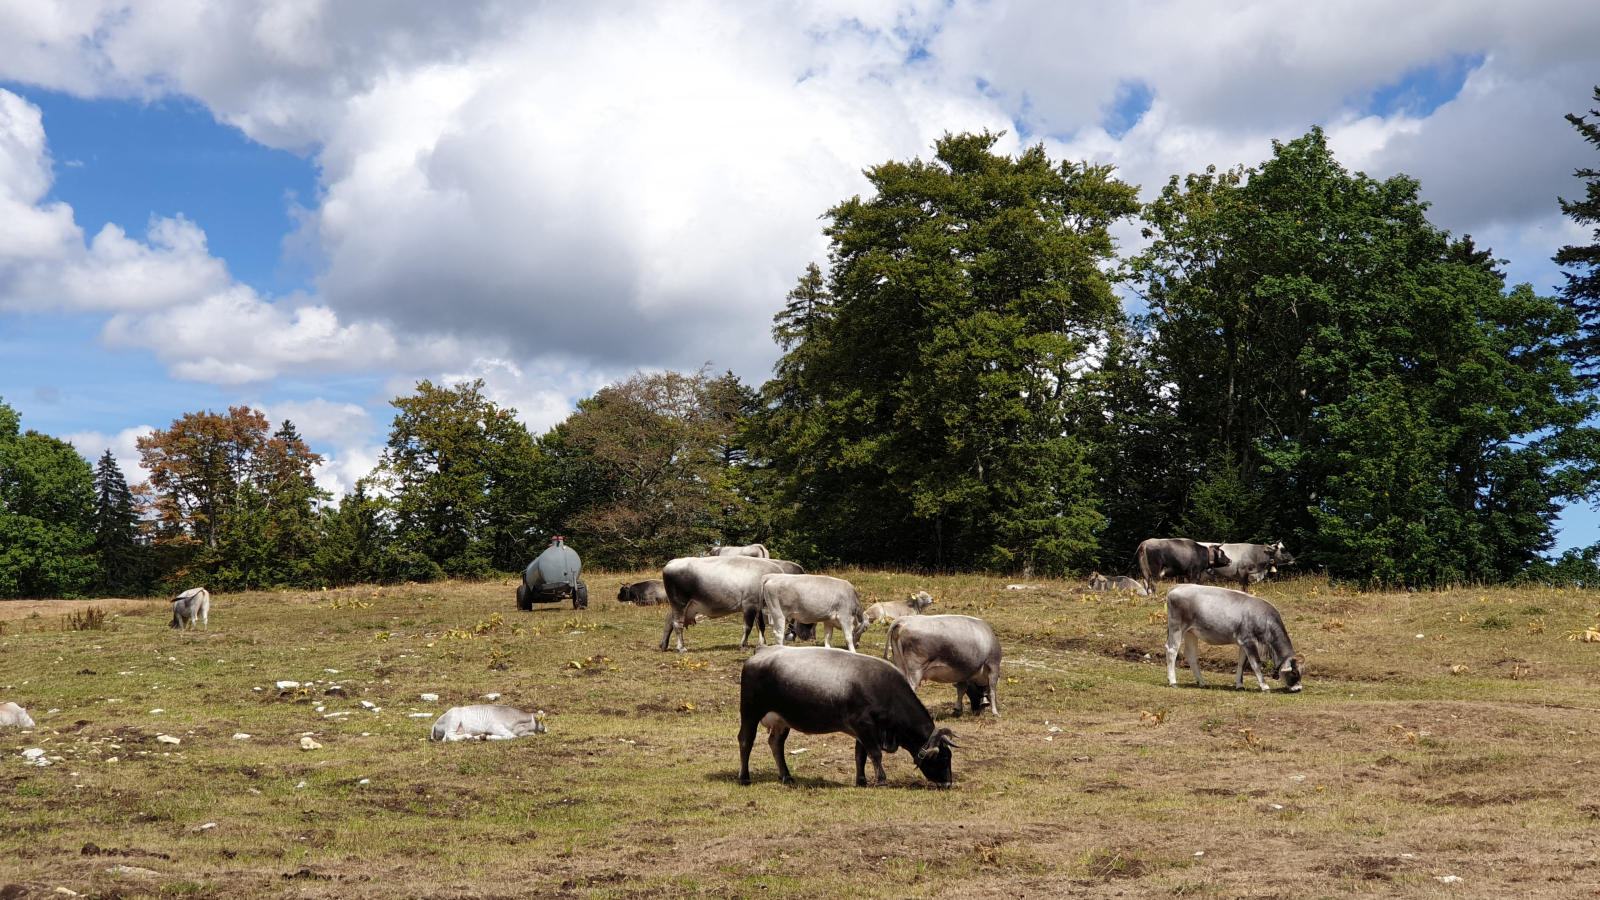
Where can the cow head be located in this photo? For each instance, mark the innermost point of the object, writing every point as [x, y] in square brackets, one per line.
[934, 757]
[622, 594]
[1098, 582]
[1216, 558]
[1278, 555]
[921, 600]
[1292, 670]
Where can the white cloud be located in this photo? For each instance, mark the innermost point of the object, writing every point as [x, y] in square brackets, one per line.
[91, 444]
[556, 195]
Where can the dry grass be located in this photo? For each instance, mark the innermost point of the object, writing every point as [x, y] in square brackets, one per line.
[1098, 781]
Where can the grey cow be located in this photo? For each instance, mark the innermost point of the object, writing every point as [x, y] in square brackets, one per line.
[1181, 558]
[643, 593]
[721, 586]
[813, 600]
[759, 551]
[193, 605]
[1248, 563]
[958, 650]
[1220, 617]
[1098, 582]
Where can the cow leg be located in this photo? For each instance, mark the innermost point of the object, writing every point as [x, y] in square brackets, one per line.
[961, 689]
[876, 753]
[1191, 652]
[747, 740]
[849, 633]
[780, 626]
[1238, 674]
[674, 623]
[1255, 666]
[775, 740]
[1174, 638]
[861, 764]
[994, 684]
[827, 633]
[751, 618]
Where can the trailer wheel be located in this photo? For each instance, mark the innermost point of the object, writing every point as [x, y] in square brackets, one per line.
[524, 602]
[580, 597]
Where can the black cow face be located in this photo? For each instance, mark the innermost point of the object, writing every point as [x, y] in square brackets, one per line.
[1292, 671]
[1218, 558]
[934, 758]
[1280, 556]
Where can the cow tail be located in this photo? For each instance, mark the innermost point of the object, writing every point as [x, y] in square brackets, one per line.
[1143, 559]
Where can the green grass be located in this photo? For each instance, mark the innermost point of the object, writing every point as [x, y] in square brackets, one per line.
[1410, 771]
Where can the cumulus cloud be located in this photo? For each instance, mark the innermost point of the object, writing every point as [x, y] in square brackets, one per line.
[557, 194]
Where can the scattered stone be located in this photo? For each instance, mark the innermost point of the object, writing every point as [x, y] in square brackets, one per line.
[1297, 779]
[430, 698]
[300, 785]
[491, 696]
[168, 739]
[154, 712]
[69, 892]
[1022, 587]
[286, 685]
[114, 759]
[309, 744]
[131, 870]
[208, 826]
[798, 752]
[1201, 853]
[365, 781]
[241, 736]
[33, 752]
[419, 715]
[1449, 879]
[331, 671]
[369, 704]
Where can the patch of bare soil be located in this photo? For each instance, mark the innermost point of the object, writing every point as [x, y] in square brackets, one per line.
[12, 610]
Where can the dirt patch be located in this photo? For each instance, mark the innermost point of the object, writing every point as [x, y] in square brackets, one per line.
[53, 610]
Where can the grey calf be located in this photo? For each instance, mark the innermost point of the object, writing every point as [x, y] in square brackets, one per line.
[1221, 617]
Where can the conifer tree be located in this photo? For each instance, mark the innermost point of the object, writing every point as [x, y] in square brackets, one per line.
[116, 531]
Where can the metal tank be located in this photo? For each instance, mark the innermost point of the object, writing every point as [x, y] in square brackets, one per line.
[553, 577]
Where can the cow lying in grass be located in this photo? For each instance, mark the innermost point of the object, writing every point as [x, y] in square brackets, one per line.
[14, 716]
[486, 723]
[889, 610]
[815, 690]
[1221, 617]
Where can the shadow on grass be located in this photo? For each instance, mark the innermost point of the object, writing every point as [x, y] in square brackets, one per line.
[757, 779]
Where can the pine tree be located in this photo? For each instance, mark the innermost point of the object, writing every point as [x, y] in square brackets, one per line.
[116, 531]
[291, 495]
[1582, 292]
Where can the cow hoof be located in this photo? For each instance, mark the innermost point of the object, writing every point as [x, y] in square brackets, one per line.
[787, 780]
[745, 781]
[861, 782]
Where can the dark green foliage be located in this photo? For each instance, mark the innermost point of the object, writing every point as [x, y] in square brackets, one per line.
[47, 515]
[1366, 384]
[123, 560]
[1582, 291]
[922, 412]
[290, 496]
[465, 479]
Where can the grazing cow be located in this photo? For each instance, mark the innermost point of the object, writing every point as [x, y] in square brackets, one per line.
[1221, 617]
[1248, 563]
[723, 586]
[191, 606]
[1098, 582]
[890, 610]
[815, 690]
[643, 593]
[14, 716]
[813, 600]
[759, 551]
[486, 723]
[958, 650]
[1180, 557]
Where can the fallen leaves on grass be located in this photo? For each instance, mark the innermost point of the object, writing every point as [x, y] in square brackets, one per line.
[1152, 718]
[1251, 742]
[1332, 624]
[1459, 670]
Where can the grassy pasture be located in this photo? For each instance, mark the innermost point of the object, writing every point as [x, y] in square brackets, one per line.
[1391, 770]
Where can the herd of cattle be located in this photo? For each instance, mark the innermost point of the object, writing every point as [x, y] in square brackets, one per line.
[820, 690]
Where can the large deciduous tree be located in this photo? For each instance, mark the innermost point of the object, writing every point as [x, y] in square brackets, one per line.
[642, 467]
[46, 515]
[922, 413]
[464, 477]
[1344, 375]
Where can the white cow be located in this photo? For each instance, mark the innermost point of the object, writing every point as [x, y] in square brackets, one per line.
[813, 600]
[487, 723]
[191, 606]
[14, 716]
[890, 610]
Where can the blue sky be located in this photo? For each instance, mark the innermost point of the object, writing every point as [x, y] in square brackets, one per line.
[319, 206]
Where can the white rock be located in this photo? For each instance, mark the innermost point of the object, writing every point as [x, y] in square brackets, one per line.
[365, 781]
[430, 698]
[1201, 853]
[69, 892]
[241, 736]
[168, 739]
[369, 704]
[491, 696]
[156, 711]
[798, 752]
[1421, 636]
[1277, 805]
[1297, 779]
[33, 752]
[130, 870]
[208, 826]
[331, 671]
[1449, 879]
[49, 711]
[255, 689]
[309, 744]
[420, 716]
[1054, 730]
[282, 685]
[300, 785]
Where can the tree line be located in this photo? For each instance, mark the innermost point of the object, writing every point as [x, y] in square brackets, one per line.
[961, 386]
